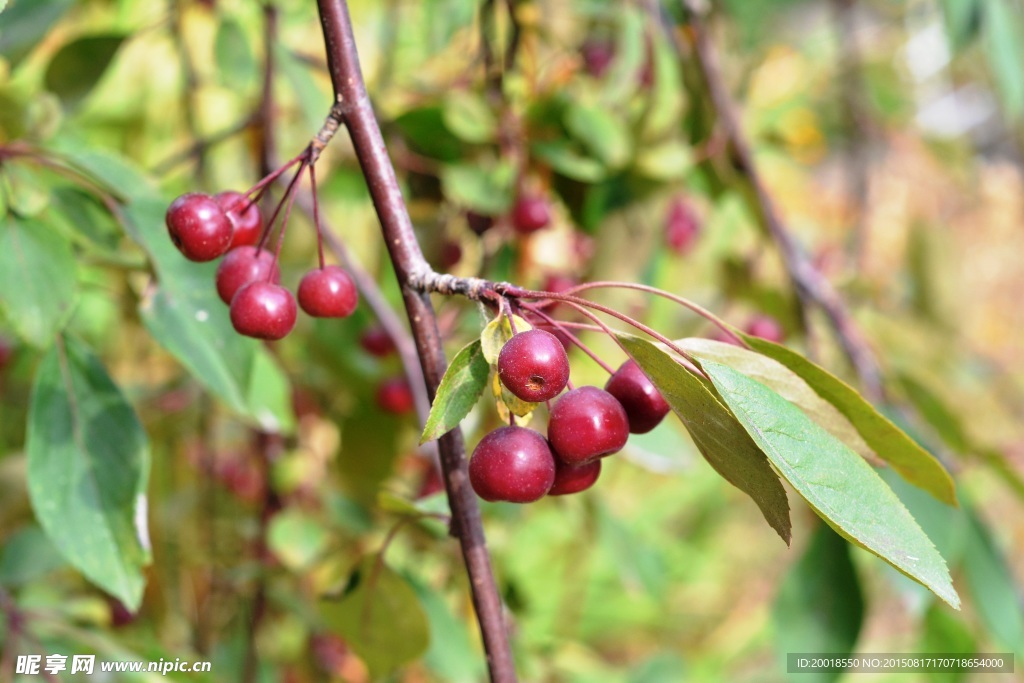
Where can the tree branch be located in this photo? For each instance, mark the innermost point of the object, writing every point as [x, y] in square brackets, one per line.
[809, 284]
[407, 259]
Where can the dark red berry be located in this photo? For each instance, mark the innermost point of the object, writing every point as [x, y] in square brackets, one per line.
[394, 396]
[377, 342]
[513, 464]
[682, 227]
[645, 407]
[587, 423]
[574, 478]
[263, 310]
[478, 222]
[243, 265]
[533, 365]
[328, 292]
[765, 327]
[530, 213]
[198, 226]
[597, 56]
[244, 216]
[451, 254]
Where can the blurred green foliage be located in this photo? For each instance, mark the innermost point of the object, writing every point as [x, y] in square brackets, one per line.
[255, 480]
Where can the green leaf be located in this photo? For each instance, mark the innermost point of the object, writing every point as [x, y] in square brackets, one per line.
[29, 193]
[37, 278]
[452, 655]
[890, 443]
[468, 117]
[819, 607]
[88, 464]
[78, 66]
[667, 161]
[463, 383]
[486, 190]
[992, 587]
[720, 438]
[604, 135]
[186, 317]
[236, 64]
[836, 482]
[963, 19]
[1004, 47]
[25, 23]
[784, 382]
[313, 101]
[380, 617]
[565, 158]
[116, 174]
[296, 538]
[27, 555]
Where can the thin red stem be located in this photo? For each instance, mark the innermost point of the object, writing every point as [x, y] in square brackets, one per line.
[572, 337]
[316, 215]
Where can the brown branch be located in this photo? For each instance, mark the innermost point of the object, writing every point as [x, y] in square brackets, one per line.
[810, 285]
[407, 259]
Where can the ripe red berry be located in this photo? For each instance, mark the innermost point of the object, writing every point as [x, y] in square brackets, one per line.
[574, 478]
[645, 406]
[682, 227]
[587, 423]
[243, 265]
[244, 216]
[198, 226]
[394, 396]
[765, 327]
[513, 464]
[597, 56]
[530, 213]
[263, 310]
[328, 292]
[377, 342]
[533, 365]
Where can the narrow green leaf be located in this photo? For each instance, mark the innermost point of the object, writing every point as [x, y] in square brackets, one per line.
[380, 617]
[468, 117]
[720, 438]
[605, 136]
[836, 482]
[963, 19]
[88, 463]
[992, 587]
[78, 66]
[37, 278]
[1004, 47]
[819, 607]
[784, 382]
[888, 441]
[185, 315]
[463, 383]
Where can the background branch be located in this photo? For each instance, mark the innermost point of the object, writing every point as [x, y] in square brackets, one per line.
[810, 285]
[407, 259]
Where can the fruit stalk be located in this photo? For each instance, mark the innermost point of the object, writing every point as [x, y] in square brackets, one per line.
[353, 106]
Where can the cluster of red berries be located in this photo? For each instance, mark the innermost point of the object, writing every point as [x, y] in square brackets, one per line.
[520, 465]
[229, 224]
